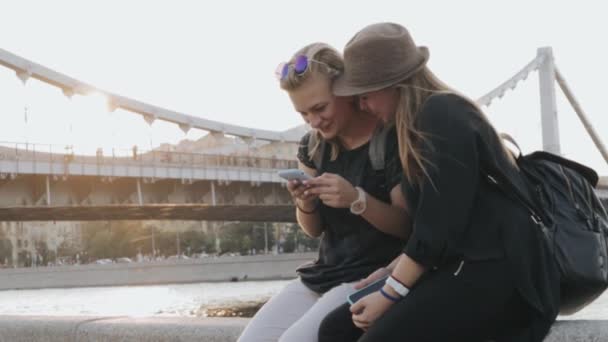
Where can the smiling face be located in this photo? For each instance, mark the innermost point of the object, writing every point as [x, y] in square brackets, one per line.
[381, 103]
[323, 111]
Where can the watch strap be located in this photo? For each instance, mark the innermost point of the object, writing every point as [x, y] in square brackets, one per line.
[359, 205]
[396, 285]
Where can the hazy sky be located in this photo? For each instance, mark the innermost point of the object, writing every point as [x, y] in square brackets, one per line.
[217, 59]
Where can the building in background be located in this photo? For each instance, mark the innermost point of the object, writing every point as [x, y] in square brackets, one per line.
[29, 244]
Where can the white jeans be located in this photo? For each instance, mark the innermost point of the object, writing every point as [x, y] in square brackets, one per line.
[294, 314]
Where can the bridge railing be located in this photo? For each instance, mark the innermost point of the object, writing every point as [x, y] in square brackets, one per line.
[49, 153]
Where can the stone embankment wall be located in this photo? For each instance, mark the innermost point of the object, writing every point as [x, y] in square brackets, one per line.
[257, 267]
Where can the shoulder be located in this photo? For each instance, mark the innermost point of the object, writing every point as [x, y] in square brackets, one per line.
[448, 105]
[445, 100]
[305, 139]
[303, 155]
[448, 111]
[391, 140]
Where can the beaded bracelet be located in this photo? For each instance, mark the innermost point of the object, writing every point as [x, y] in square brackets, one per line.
[307, 212]
[389, 297]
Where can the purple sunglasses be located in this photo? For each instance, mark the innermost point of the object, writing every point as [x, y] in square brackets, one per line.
[300, 66]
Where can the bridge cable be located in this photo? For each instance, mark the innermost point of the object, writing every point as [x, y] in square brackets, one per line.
[511, 83]
[581, 114]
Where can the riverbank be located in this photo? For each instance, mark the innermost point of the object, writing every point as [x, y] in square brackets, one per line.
[235, 268]
[224, 299]
[240, 309]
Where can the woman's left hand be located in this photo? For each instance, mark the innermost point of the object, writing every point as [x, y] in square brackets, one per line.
[333, 190]
[367, 309]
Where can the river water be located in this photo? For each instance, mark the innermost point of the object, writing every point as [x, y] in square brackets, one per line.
[167, 300]
[139, 301]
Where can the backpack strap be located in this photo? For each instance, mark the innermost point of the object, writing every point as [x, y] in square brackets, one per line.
[377, 154]
[507, 137]
[377, 147]
[502, 182]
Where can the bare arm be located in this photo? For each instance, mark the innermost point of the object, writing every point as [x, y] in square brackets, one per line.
[311, 220]
[393, 219]
[377, 274]
[337, 192]
[406, 271]
[369, 308]
[393, 263]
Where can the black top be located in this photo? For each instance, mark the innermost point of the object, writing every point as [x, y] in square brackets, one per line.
[460, 214]
[351, 248]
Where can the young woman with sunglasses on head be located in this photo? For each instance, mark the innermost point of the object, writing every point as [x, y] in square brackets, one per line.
[359, 216]
[476, 267]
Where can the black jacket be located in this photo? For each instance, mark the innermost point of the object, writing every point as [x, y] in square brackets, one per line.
[459, 214]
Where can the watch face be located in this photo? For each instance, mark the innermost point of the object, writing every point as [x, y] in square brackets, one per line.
[358, 207]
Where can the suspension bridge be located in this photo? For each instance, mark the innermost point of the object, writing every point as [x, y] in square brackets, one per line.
[42, 182]
[46, 182]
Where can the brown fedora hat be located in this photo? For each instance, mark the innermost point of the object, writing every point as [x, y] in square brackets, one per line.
[379, 56]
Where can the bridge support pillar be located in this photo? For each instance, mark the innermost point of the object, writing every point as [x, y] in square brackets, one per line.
[48, 191]
[548, 106]
[139, 196]
[213, 198]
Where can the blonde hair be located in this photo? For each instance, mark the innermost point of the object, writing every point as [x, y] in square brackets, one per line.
[413, 93]
[324, 60]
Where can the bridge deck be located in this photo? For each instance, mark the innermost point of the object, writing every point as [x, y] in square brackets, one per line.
[197, 212]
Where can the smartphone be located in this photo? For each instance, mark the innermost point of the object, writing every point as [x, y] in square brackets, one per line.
[294, 174]
[371, 288]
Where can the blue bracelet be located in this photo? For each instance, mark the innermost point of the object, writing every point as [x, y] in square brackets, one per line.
[389, 297]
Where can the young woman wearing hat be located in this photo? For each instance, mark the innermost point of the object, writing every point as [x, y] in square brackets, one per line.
[359, 214]
[475, 266]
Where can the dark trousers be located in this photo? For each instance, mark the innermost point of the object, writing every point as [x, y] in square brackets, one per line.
[479, 303]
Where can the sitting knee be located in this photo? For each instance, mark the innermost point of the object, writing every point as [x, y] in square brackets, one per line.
[326, 331]
[290, 336]
[338, 326]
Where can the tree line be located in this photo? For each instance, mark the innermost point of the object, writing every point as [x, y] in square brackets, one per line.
[116, 239]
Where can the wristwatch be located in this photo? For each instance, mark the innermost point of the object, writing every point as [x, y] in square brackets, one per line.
[360, 204]
[396, 285]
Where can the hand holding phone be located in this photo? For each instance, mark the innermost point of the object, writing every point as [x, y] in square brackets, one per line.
[295, 186]
[294, 174]
[369, 289]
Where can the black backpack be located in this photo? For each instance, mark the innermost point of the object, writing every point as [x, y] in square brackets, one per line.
[564, 205]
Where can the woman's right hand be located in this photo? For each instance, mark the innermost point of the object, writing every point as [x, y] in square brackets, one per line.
[297, 189]
[368, 309]
[377, 274]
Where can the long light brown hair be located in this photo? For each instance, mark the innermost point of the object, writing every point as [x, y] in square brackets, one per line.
[413, 93]
[326, 61]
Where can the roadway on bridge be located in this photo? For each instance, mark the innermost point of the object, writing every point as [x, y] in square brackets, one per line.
[196, 212]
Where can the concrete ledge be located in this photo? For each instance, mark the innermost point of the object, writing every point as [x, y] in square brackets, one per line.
[105, 329]
[579, 331]
[183, 329]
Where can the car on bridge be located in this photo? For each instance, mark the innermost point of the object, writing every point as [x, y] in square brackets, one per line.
[123, 260]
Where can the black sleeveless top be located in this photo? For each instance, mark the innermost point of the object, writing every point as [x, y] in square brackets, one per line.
[351, 248]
